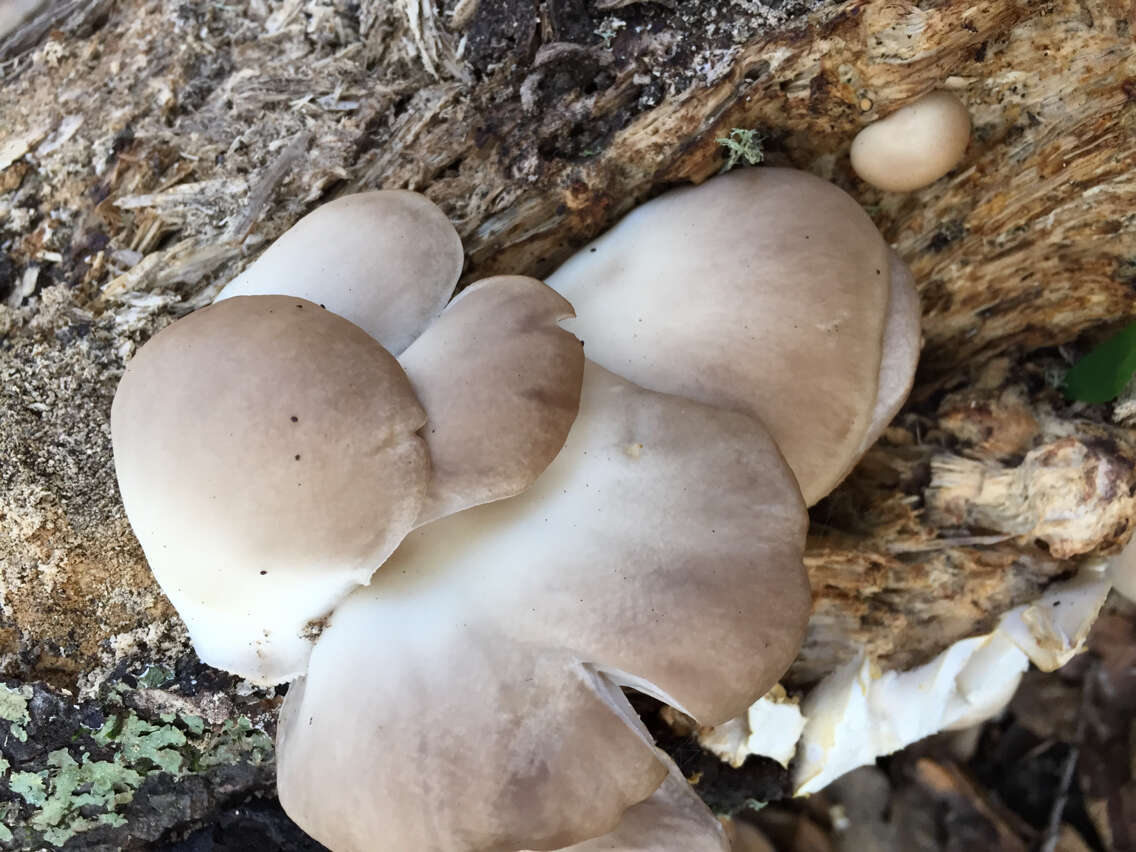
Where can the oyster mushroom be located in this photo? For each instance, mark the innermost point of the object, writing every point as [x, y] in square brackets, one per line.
[766, 291]
[271, 454]
[484, 662]
[387, 261]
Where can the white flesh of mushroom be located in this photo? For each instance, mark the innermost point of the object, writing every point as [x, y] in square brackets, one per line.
[859, 713]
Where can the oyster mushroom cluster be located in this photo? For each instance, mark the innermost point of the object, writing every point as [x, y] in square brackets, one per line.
[462, 535]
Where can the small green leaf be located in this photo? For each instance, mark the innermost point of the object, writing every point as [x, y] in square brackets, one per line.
[1102, 374]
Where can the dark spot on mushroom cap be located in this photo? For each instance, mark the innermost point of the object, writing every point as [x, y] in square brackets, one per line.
[262, 573]
[297, 456]
[295, 419]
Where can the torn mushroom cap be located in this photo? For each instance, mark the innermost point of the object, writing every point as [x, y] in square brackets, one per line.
[268, 462]
[387, 261]
[662, 549]
[914, 146]
[766, 291]
[267, 455]
[745, 837]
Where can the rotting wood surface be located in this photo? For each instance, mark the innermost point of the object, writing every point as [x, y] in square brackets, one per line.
[148, 154]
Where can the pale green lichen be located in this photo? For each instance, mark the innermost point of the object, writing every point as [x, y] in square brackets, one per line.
[742, 145]
[8, 811]
[155, 676]
[609, 28]
[237, 740]
[141, 741]
[29, 785]
[105, 785]
[14, 709]
[71, 796]
[194, 724]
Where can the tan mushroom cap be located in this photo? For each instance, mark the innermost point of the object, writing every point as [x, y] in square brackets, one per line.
[267, 458]
[746, 838]
[914, 146]
[500, 382]
[672, 819]
[387, 261]
[483, 663]
[765, 291]
[443, 739]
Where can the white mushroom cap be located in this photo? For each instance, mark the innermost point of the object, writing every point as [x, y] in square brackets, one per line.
[1122, 571]
[267, 455]
[388, 261]
[766, 291]
[256, 532]
[915, 145]
[469, 698]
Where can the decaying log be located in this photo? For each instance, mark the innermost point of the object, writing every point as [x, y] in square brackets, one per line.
[149, 149]
[132, 181]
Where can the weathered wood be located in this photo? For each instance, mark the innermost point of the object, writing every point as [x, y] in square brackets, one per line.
[137, 153]
[149, 149]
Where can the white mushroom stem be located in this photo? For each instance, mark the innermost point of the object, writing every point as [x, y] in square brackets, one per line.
[771, 727]
[859, 713]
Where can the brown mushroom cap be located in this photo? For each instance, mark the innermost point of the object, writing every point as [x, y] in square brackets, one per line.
[746, 838]
[766, 291]
[500, 382]
[387, 261]
[661, 549]
[267, 458]
[915, 145]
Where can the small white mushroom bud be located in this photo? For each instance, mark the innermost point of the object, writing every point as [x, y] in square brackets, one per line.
[914, 146]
